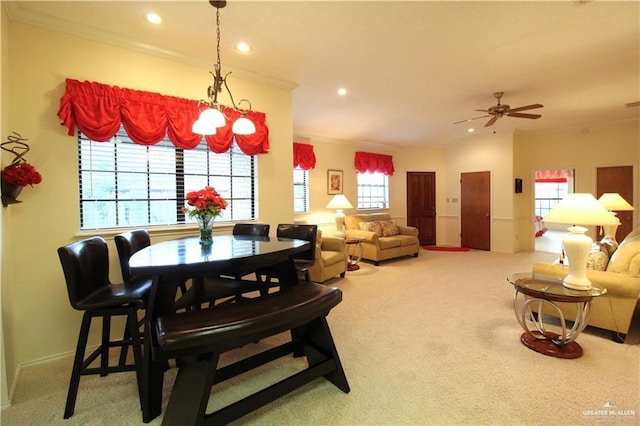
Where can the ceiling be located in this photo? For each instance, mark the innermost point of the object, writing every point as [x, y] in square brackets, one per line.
[411, 68]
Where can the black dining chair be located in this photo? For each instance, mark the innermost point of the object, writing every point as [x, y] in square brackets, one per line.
[86, 270]
[301, 261]
[253, 229]
[225, 288]
[129, 243]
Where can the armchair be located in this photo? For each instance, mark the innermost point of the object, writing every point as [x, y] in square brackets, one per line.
[331, 258]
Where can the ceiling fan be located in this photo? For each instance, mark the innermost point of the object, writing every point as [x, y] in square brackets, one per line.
[499, 110]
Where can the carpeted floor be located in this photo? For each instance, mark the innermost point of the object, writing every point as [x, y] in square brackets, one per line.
[431, 340]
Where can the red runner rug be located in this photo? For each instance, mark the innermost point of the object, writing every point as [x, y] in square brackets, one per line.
[445, 248]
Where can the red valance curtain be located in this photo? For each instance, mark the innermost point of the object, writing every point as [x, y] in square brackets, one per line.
[303, 156]
[370, 162]
[98, 110]
[552, 175]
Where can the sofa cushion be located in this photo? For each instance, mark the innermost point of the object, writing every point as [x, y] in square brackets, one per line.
[389, 228]
[621, 259]
[331, 257]
[372, 227]
[389, 242]
[634, 266]
[608, 244]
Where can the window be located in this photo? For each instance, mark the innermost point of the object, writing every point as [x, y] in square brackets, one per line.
[123, 184]
[373, 191]
[548, 194]
[300, 190]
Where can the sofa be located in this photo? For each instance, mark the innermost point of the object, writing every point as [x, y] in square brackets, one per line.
[616, 268]
[382, 238]
[330, 260]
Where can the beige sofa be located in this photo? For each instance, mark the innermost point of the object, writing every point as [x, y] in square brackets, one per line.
[382, 243]
[619, 309]
[331, 258]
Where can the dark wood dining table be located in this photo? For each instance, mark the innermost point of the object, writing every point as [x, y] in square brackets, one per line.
[174, 261]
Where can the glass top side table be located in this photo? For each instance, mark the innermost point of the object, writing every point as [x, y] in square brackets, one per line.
[534, 293]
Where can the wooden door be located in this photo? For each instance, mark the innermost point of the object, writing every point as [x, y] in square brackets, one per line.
[475, 210]
[617, 179]
[421, 205]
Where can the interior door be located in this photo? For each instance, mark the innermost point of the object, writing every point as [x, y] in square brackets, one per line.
[475, 210]
[421, 205]
[617, 179]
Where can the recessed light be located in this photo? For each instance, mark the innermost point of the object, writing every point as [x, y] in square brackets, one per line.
[471, 130]
[154, 18]
[243, 47]
[342, 91]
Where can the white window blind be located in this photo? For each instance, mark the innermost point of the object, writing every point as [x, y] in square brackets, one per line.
[373, 191]
[123, 184]
[300, 190]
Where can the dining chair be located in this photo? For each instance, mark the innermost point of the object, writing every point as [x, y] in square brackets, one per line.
[129, 243]
[254, 229]
[302, 261]
[86, 270]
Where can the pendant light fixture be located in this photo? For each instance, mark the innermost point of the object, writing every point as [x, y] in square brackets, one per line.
[212, 116]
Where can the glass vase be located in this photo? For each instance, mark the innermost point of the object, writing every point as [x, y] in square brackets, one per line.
[205, 227]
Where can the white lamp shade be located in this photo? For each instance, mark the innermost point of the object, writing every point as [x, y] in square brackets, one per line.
[339, 201]
[243, 126]
[208, 121]
[580, 209]
[614, 201]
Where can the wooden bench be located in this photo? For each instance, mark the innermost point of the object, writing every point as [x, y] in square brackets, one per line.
[197, 338]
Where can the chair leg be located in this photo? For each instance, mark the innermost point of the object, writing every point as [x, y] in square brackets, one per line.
[77, 365]
[106, 338]
[136, 347]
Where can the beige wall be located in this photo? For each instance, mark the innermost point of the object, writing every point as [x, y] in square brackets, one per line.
[583, 149]
[38, 321]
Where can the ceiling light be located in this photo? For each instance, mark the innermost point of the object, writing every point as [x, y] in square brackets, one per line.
[471, 130]
[212, 116]
[154, 18]
[243, 47]
[342, 91]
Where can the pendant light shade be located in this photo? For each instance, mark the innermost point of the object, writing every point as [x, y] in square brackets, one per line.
[243, 126]
[212, 117]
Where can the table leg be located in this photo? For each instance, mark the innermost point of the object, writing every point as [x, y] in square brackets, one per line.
[539, 339]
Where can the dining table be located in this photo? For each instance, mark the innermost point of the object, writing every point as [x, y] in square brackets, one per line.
[173, 262]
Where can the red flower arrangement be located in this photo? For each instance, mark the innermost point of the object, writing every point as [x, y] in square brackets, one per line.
[21, 174]
[206, 204]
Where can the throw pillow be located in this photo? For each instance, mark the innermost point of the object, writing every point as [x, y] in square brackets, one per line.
[389, 228]
[372, 227]
[608, 244]
[598, 260]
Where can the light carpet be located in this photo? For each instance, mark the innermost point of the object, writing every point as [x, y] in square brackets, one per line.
[431, 340]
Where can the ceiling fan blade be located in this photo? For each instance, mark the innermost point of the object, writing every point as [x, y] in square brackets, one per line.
[490, 122]
[471, 119]
[521, 115]
[483, 110]
[524, 108]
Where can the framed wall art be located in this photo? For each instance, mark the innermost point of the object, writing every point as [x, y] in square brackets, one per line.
[334, 182]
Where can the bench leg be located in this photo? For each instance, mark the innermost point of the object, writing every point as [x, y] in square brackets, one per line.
[191, 389]
[319, 346]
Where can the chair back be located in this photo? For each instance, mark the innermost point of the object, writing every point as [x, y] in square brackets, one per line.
[86, 268]
[253, 229]
[127, 244]
[300, 232]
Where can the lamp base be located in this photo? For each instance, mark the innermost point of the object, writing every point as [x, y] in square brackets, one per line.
[577, 246]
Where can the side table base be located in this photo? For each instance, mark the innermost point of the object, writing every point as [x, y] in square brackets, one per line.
[571, 350]
[353, 267]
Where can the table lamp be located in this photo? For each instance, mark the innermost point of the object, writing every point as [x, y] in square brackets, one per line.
[579, 209]
[613, 201]
[339, 202]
